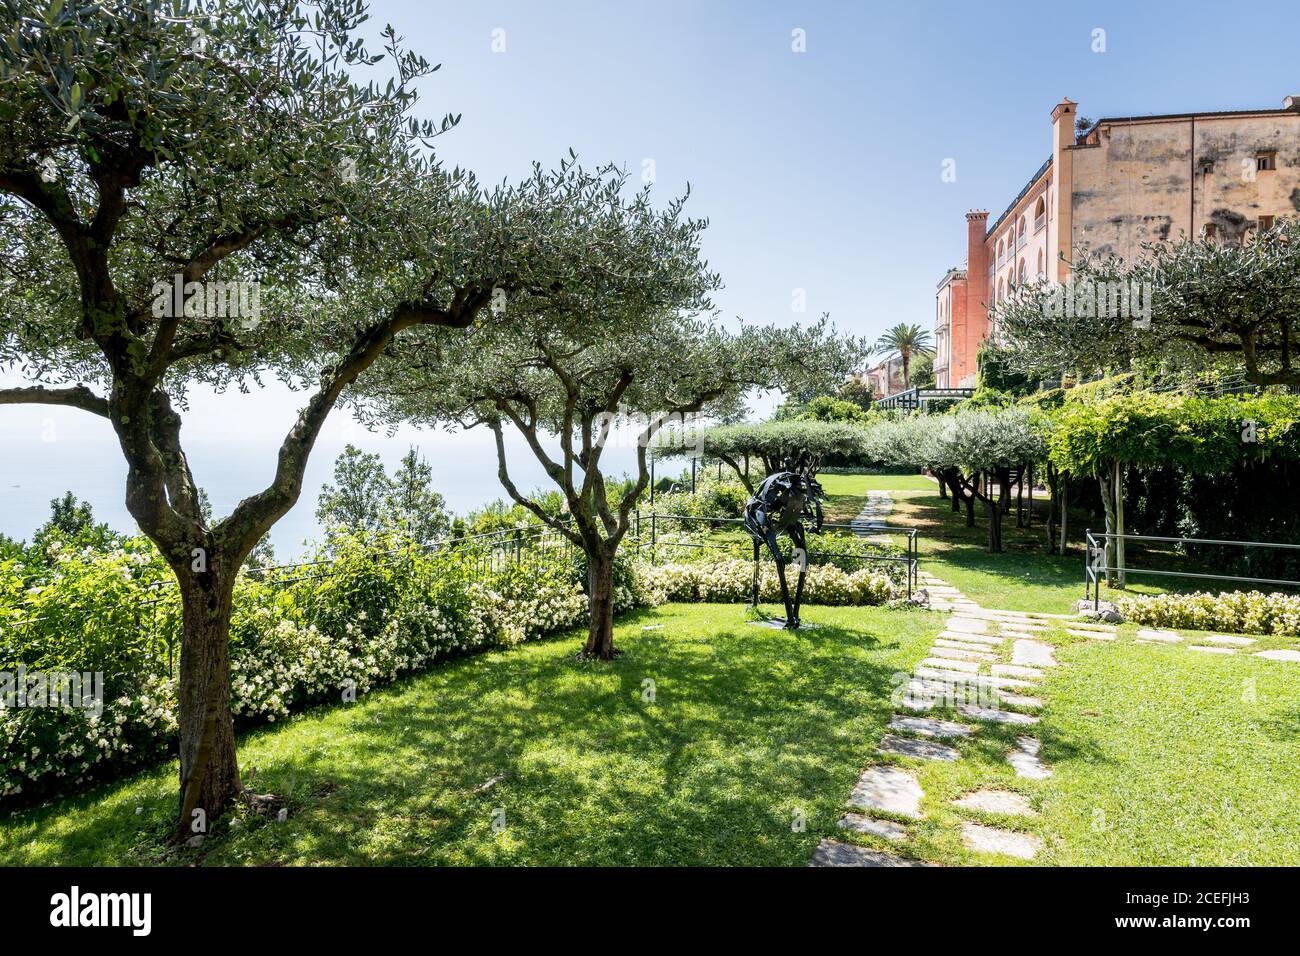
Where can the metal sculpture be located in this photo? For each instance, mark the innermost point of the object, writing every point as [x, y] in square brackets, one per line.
[780, 505]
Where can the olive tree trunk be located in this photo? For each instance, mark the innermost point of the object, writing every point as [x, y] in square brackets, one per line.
[209, 771]
[600, 604]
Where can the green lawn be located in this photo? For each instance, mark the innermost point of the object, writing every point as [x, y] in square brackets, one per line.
[1160, 755]
[748, 726]
[844, 493]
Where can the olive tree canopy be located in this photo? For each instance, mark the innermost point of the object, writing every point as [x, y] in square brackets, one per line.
[201, 192]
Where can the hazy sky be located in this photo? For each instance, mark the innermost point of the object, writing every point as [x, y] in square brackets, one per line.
[819, 170]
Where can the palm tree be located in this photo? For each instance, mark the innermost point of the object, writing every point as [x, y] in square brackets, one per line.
[906, 340]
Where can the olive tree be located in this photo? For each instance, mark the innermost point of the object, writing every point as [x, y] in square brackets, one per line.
[198, 192]
[629, 346]
[1182, 305]
[968, 450]
[773, 442]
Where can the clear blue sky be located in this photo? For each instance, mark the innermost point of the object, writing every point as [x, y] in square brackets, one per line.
[819, 170]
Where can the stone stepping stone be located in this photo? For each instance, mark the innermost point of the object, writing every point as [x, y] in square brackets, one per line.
[971, 625]
[988, 640]
[1093, 626]
[969, 667]
[1024, 759]
[930, 727]
[917, 697]
[1091, 635]
[887, 790]
[1023, 629]
[924, 693]
[983, 839]
[1006, 802]
[833, 853]
[886, 829]
[1163, 637]
[996, 716]
[1018, 700]
[1230, 639]
[960, 655]
[963, 645]
[1032, 653]
[1211, 650]
[1283, 655]
[921, 749]
[1017, 670]
[979, 680]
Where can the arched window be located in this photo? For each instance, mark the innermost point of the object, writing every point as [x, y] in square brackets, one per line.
[1041, 270]
[1002, 290]
[1020, 232]
[1040, 214]
[1023, 274]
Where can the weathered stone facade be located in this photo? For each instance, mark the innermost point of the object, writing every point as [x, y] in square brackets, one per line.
[1122, 182]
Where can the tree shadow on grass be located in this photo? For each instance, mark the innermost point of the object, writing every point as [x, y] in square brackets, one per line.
[746, 726]
[532, 756]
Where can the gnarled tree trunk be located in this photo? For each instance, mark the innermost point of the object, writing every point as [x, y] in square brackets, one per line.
[600, 603]
[209, 775]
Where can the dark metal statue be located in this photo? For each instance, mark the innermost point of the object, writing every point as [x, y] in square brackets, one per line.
[780, 505]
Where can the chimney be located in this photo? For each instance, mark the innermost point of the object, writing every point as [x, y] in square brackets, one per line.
[1061, 239]
[967, 334]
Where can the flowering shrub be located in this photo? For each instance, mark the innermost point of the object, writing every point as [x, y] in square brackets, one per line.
[1242, 612]
[731, 580]
[52, 748]
[357, 624]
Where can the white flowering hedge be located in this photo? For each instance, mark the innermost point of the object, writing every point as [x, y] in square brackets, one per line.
[730, 581]
[1240, 612]
[363, 624]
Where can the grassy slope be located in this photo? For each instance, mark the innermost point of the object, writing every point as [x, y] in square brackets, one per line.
[1161, 755]
[748, 726]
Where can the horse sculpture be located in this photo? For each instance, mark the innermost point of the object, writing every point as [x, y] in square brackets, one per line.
[779, 506]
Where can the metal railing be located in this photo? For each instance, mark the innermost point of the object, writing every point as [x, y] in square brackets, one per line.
[482, 555]
[1096, 568]
[909, 560]
[917, 398]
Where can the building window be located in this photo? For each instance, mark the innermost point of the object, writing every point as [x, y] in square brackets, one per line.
[1266, 161]
[1023, 273]
[1040, 215]
[1041, 271]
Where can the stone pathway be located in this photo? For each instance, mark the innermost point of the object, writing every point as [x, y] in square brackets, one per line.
[965, 671]
[1213, 643]
[874, 512]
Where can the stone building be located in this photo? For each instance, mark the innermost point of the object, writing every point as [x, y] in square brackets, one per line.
[1107, 188]
[885, 378]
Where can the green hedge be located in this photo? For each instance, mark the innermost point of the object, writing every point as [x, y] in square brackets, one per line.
[374, 612]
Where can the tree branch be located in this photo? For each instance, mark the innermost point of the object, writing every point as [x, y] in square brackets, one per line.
[78, 396]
